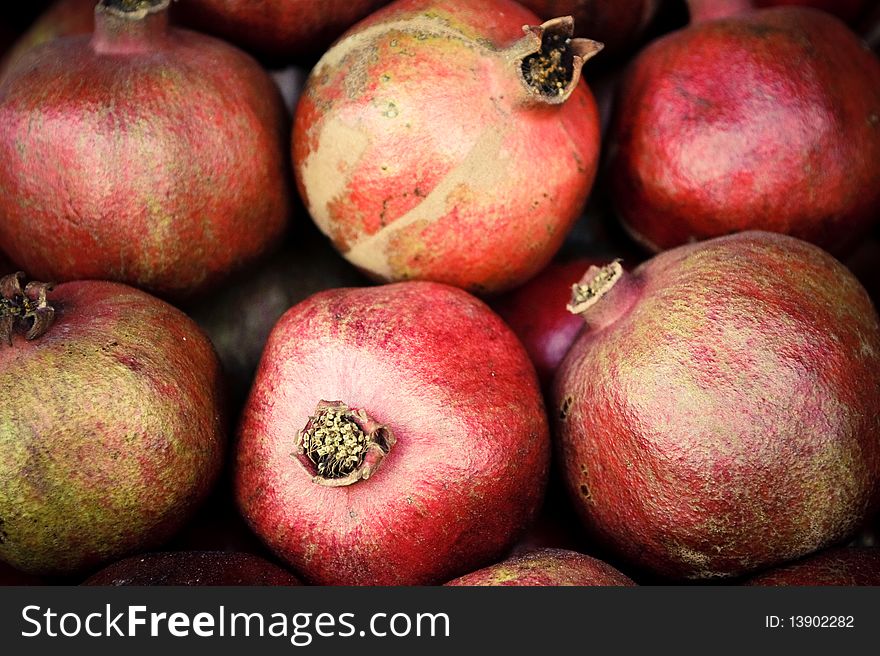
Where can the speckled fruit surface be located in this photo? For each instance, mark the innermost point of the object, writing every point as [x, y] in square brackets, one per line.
[843, 566]
[422, 150]
[546, 567]
[721, 413]
[457, 452]
[112, 429]
[143, 154]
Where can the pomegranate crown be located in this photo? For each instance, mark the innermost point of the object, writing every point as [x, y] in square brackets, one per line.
[20, 306]
[551, 59]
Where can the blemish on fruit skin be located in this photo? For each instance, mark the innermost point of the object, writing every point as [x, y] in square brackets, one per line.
[566, 407]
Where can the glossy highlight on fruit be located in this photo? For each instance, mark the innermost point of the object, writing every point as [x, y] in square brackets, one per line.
[394, 436]
[720, 414]
[449, 141]
[766, 120]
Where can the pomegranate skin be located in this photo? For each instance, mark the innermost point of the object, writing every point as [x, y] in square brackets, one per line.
[786, 139]
[113, 429]
[239, 317]
[536, 313]
[63, 18]
[193, 568]
[468, 470]
[143, 154]
[546, 567]
[844, 566]
[722, 413]
[277, 29]
[417, 147]
[848, 10]
[618, 25]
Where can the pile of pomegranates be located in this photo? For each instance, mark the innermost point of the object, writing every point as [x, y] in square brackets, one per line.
[378, 293]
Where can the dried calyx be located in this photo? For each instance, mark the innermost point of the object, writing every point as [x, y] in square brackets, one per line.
[553, 67]
[605, 294]
[24, 308]
[341, 445]
[597, 282]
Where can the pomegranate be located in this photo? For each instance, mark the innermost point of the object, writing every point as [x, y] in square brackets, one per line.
[721, 413]
[536, 312]
[239, 317]
[435, 141]
[193, 568]
[142, 154]
[546, 567]
[277, 29]
[63, 18]
[394, 435]
[849, 10]
[767, 119]
[113, 429]
[619, 25]
[842, 566]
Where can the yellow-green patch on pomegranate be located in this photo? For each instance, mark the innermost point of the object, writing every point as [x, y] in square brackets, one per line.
[112, 423]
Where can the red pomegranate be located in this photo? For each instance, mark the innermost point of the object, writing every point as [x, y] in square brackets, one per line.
[765, 120]
[849, 10]
[63, 18]
[546, 567]
[394, 435]
[277, 29]
[842, 566]
[142, 154]
[113, 423]
[536, 312]
[193, 568]
[618, 25]
[721, 413]
[436, 141]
